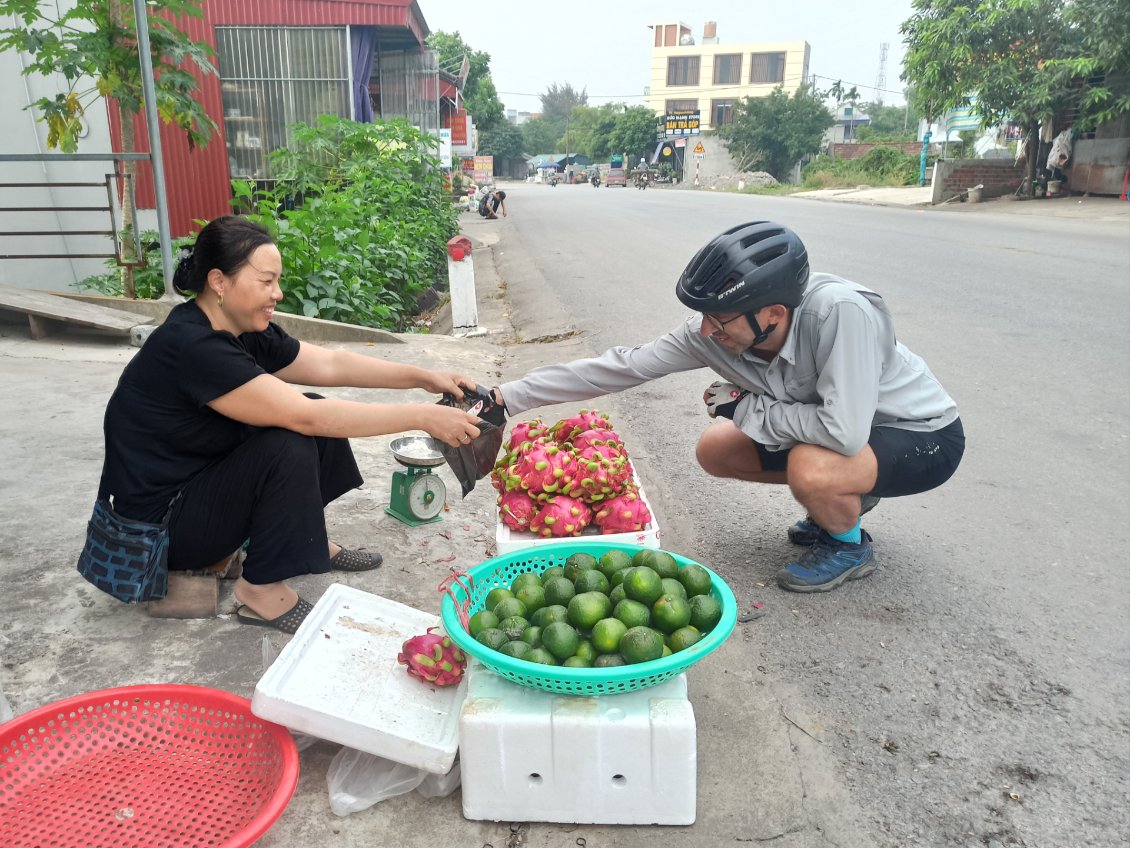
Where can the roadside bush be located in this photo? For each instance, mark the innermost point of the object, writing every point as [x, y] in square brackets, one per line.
[148, 279]
[880, 166]
[361, 217]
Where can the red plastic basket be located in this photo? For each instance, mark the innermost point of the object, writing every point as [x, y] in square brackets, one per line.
[143, 766]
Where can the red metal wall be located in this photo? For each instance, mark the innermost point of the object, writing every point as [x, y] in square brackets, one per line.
[197, 181]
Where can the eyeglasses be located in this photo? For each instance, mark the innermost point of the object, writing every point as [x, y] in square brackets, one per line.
[718, 326]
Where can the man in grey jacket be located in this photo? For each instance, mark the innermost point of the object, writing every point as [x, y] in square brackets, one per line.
[816, 393]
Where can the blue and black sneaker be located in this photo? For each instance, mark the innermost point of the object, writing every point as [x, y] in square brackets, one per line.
[828, 563]
[805, 531]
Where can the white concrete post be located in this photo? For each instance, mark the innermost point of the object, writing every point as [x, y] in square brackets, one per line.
[461, 280]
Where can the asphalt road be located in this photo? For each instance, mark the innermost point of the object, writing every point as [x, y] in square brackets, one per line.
[974, 691]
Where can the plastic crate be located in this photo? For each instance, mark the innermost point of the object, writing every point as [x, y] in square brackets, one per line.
[338, 679]
[507, 541]
[527, 755]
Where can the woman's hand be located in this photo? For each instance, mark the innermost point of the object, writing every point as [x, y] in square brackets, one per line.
[449, 382]
[449, 424]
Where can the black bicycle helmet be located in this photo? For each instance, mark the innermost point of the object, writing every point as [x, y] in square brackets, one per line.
[745, 269]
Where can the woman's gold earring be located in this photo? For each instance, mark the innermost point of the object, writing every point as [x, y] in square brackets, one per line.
[221, 300]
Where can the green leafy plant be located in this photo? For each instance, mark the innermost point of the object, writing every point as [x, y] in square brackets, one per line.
[773, 133]
[882, 166]
[148, 279]
[361, 217]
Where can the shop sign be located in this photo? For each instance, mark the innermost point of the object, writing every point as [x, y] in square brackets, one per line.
[682, 122]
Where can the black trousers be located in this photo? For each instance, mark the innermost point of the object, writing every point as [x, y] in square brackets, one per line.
[271, 490]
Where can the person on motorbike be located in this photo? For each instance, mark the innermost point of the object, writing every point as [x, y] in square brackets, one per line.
[815, 392]
[642, 174]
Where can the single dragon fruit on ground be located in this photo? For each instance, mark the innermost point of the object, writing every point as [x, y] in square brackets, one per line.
[561, 516]
[434, 658]
[623, 514]
[516, 508]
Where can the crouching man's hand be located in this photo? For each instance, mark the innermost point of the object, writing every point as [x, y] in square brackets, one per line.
[722, 399]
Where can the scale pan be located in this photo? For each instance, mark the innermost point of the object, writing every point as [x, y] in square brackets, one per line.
[420, 451]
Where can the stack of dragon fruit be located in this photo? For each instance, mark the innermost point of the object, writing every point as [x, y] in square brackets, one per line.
[556, 481]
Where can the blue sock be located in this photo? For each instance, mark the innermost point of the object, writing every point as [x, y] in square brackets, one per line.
[854, 535]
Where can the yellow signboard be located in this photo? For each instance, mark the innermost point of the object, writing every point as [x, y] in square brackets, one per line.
[699, 150]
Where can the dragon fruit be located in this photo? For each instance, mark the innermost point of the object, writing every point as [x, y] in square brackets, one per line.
[516, 508]
[544, 470]
[598, 477]
[566, 428]
[525, 431]
[561, 516]
[433, 658]
[596, 437]
[623, 514]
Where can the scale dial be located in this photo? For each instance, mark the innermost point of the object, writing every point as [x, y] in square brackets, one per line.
[426, 496]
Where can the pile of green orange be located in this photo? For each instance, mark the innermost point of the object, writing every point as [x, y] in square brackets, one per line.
[619, 609]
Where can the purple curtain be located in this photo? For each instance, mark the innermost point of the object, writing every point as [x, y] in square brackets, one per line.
[363, 41]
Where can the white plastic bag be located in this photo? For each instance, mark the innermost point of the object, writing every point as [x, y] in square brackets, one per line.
[440, 785]
[358, 780]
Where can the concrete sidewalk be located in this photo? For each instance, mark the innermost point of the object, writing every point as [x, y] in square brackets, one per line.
[60, 637]
[1067, 206]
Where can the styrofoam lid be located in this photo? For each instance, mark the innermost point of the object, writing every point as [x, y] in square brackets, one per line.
[338, 679]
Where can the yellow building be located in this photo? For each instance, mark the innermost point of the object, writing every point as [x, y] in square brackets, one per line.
[710, 77]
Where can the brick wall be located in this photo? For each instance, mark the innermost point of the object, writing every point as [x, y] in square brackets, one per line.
[953, 176]
[855, 151]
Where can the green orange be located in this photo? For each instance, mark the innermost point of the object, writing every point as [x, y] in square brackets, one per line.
[669, 613]
[695, 579]
[643, 584]
[587, 608]
[606, 635]
[641, 644]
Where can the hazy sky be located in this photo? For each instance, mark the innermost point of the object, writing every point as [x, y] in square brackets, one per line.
[605, 47]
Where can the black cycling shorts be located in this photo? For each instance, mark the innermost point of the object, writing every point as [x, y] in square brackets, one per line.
[910, 461]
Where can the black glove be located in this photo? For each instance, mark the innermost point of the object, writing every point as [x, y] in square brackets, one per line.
[722, 399]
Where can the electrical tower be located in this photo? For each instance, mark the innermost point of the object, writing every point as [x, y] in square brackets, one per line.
[881, 77]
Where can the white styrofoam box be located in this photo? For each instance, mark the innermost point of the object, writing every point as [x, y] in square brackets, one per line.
[338, 679]
[530, 755]
[508, 541]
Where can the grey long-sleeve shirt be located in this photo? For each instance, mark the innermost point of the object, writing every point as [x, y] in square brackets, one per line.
[840, 372]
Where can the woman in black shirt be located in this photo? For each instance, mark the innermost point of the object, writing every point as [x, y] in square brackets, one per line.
[205, 415]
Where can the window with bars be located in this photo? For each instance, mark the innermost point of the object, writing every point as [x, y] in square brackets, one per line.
[721, 112]
[728, 69]
[682, 105]
[682, 70]
[767, 67]
[272, 77]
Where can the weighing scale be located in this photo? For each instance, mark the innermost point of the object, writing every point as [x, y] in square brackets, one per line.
[418, 495]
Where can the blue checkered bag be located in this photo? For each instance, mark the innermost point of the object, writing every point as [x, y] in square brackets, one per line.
[125, 558]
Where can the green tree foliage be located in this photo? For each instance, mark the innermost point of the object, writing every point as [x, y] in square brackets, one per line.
[591, 129]
[996, 52]
[1103, 57]
[92, 48]
[480, 96]
[502, 142]
[893, 123]
[558, 102]
[539, 136]
[773, 133]
[634, 133]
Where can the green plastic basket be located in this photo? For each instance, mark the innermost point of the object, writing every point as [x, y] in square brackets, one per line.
[501, 571]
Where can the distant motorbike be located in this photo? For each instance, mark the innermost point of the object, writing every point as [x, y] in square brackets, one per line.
[642, 179]
[553, 179]
[595, 180]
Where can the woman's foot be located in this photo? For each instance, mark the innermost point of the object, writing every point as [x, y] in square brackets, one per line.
[268, 601]
[347, 559]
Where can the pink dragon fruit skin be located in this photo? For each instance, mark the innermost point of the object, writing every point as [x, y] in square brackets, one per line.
[596, 437]
[525, 431]
[433, 658]
[545, 469]
[561, 516]
[586, 419]
[623, 514]
[597, 477]
[516, 508]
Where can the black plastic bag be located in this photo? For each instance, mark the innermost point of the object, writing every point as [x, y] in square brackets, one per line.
[473, 461]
